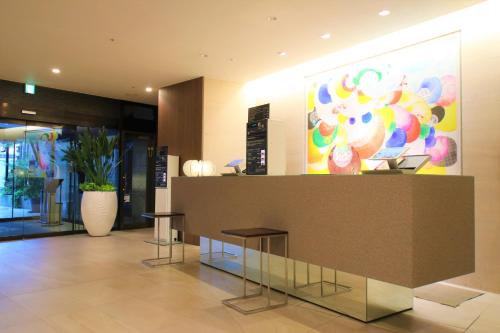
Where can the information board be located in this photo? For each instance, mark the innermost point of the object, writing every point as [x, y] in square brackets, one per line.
[257, 148]
[161, 166]
[257, 113]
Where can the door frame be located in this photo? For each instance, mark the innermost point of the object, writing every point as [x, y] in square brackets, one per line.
[150, 189]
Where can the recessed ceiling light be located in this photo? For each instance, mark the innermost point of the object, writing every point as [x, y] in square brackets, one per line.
[384, 12]
[56, 70]
[149, 89]
[272, 18]
[325, 36]
[203, 55]
[282, 54]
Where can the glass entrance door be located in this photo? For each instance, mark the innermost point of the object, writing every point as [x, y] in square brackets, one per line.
[137, 180]
[12, 207]
[35, 183]
[48, 183]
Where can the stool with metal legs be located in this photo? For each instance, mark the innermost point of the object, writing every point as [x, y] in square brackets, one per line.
[261, 234]
[321, 282]
[158, 261]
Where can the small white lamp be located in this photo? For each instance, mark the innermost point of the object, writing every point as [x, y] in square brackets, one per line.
[207, 168]
[194, 168]
[191, 168]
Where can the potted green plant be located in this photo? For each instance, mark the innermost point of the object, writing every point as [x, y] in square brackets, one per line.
[93, 156]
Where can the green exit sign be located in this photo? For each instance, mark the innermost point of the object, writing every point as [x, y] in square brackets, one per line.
[29, 88]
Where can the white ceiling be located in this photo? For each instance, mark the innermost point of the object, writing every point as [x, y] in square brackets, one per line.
[158, 42]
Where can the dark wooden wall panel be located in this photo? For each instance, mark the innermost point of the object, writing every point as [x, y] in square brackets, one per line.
[58, 106]
[180, 118]
[180, 124]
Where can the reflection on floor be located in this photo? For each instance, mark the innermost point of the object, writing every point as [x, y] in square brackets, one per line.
[83, 284]
[30, 227]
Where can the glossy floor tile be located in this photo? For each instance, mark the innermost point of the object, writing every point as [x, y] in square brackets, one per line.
[81, 284]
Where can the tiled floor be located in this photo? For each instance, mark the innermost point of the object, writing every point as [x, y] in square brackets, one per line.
[76, 284]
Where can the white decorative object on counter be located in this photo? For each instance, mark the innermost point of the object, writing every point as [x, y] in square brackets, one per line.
[195, 168]
[207, 168]
[191, 168]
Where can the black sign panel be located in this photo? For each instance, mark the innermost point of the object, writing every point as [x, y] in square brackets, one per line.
[257, 148]
[257, 113]
[161, 165]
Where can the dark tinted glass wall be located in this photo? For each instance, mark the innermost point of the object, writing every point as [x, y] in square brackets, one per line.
[69, 112]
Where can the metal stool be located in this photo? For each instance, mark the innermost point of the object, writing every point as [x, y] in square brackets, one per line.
[261, 233]
[158, 261]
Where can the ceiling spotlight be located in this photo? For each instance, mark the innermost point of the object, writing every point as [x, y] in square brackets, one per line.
[56, 70]
[203, 55]
[384, 12]
[272, 18]
[149, 89]
[325, 36]
[282, 54]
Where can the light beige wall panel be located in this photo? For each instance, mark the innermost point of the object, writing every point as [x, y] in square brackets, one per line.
[288, 106]
[481, 143]
[224, 122]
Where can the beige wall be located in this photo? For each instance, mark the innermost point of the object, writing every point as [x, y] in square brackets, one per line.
[224, 122]
[226, 103]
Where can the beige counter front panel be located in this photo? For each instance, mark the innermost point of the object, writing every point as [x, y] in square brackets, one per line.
[408, 230]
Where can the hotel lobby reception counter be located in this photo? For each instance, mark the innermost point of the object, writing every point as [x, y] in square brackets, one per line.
[376, 236]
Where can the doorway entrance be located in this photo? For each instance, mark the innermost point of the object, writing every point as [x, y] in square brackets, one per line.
[39, 194]
[35, 183]
[137, 185]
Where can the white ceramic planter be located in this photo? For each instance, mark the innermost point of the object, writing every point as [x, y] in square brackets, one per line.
[99, 212]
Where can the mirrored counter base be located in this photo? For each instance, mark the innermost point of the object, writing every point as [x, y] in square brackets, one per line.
[356, 296]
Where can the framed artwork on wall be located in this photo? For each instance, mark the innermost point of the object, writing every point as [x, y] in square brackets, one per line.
[409, 97]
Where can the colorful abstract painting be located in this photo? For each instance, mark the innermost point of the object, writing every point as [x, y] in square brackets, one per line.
[405, 98]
